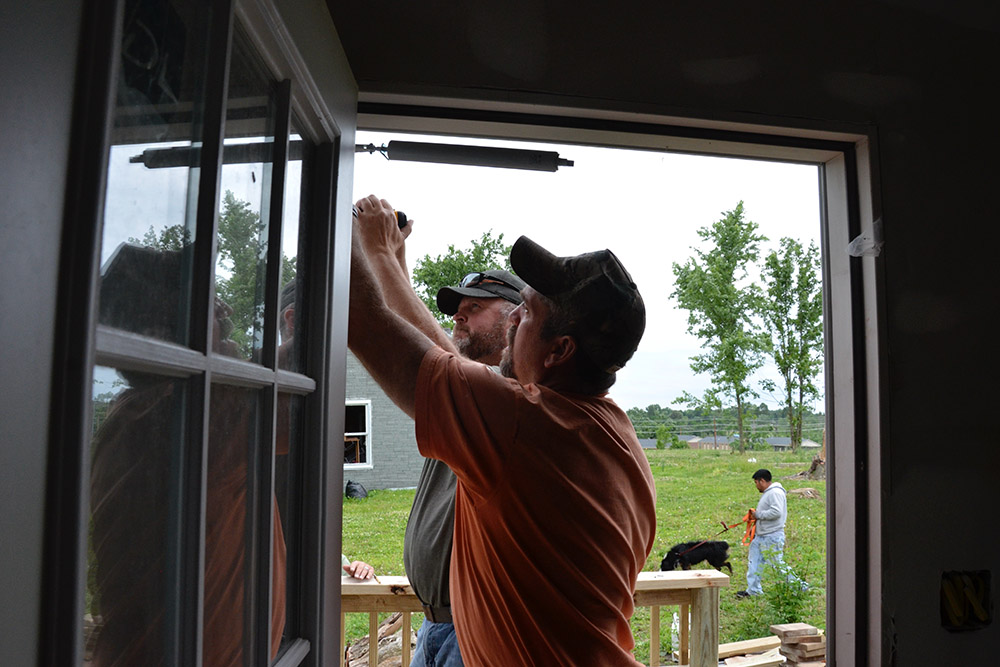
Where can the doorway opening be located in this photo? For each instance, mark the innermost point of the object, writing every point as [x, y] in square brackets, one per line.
[631, 203]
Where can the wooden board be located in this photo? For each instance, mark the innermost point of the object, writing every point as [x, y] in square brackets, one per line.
[786, 630]
[748, 646]
[767, 659]
[806, 649]
[812, 654]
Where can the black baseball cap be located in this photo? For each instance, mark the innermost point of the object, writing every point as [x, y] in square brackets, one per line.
[492, 284]
[596, 288]
[287, 296]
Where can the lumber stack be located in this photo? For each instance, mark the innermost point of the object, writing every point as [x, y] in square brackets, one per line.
[803, 645]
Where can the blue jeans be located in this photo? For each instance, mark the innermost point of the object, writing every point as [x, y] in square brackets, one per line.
[763, 549]
[437, 646]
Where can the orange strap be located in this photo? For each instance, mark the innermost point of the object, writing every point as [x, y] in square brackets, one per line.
[751, 527]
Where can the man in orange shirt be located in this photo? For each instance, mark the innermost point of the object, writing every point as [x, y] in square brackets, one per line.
[555, 502]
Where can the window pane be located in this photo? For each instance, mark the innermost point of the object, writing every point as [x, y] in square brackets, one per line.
[290, 305]
[232, 441]
[241, 264]
[354, 419]
[152, 180]
[132, 558]
[287, 493]
[356, 433]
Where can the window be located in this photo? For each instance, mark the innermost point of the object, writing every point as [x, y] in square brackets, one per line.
[208, 354]
[357, 430]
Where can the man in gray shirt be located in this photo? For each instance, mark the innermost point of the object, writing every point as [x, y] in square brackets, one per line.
[479, 306]
[769, 538]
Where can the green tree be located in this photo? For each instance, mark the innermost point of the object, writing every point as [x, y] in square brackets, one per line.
[174, 237]
[241, 262]
[239, 279]
[645, 421]
[713, 287]
[430, 275]
[793, 313]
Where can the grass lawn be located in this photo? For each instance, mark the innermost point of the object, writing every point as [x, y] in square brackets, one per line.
[696, 491]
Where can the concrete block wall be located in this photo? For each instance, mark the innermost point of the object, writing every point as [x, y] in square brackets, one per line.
[395, 461]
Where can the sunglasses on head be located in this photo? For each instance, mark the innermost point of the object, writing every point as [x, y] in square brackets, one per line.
[478, 278]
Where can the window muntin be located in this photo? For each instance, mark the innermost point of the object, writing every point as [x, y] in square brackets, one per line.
[357, 432]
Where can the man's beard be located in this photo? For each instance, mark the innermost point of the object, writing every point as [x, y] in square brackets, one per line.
[507, 360]
[478, 346]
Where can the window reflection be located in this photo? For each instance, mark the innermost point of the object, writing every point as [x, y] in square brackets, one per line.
[287, 491]
[290, 301]
[143, 516]
[234, 442]
[149, 204]
[228, 549]
[243, 227]
[139, 426]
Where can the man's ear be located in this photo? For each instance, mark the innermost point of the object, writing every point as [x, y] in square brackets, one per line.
[561, 350]
[289, 316]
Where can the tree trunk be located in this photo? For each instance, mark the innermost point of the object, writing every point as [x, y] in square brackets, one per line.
[739, 420]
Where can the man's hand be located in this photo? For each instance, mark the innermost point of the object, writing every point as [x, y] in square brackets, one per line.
[359, 570]
[378, 229]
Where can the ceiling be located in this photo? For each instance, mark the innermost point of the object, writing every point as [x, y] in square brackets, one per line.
[674, 54]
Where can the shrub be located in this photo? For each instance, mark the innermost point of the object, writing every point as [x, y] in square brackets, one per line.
[785, 592]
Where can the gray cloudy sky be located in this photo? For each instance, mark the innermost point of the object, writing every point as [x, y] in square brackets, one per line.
[645, 206]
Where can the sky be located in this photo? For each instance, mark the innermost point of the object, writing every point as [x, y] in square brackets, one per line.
[645, 206]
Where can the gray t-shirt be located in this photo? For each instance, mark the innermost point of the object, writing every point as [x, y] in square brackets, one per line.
[429, 534]
[430, 531]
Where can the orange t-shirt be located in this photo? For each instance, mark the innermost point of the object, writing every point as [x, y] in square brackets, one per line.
[554, 515]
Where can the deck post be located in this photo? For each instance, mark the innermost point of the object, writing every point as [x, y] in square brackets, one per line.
[704, 645]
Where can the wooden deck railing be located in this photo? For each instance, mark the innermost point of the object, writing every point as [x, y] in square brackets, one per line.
[696, 592]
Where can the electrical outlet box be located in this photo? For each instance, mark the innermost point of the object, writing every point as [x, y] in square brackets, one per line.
[966, 600]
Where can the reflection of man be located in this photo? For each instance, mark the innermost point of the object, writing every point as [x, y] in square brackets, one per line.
[769, 537]
[555, 502]
[136, 471]
[479, 305]
[286, 328]
[233, 439]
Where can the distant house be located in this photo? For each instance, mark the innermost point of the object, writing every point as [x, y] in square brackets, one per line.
[650, 443]
[714, 442]
[784, 444]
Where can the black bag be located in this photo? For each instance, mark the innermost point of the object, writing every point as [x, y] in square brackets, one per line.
[355, 490]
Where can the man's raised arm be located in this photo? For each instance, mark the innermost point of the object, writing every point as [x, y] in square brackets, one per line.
[383, 243]
[389, 347]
